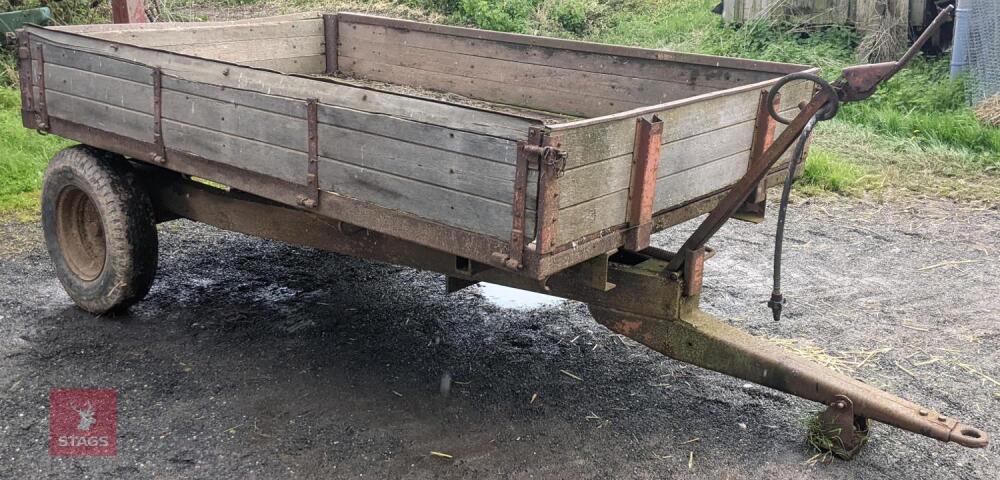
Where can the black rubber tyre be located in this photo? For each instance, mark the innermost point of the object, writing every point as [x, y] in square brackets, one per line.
[100, 229]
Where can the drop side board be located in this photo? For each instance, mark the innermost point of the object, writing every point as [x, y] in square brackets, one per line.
[276, 108]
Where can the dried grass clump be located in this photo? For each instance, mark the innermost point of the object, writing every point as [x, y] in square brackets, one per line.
[988, 112]
[885, 38]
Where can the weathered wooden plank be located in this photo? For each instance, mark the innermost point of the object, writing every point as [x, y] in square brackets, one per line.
[253, 50]
[232, 76]
[236, 119]
[573, 45]
[259, 157]
[702, 180]
[611, 175]
[592, 216]
[311, 64]
[489, 90]
[90, 62]
[679, 73]
[684, 118]
[594, 180]
[103, 116]
[112, 27]
[475, 176]
[291, 107]
[433, 164]
[467, 143]
[199, 34]
[610, 209]
[449, 207]
[604, 86]
[99, 88]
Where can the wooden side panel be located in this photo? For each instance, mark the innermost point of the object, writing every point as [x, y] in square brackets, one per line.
[295, 46]
[100, 115]
[705, 148]
[456, 178]
[450, 207]
[566, 81]
[451, 174]
[235, 78]
[120, 101]
[286, 164]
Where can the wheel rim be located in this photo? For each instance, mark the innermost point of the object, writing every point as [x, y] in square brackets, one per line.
[81, 233]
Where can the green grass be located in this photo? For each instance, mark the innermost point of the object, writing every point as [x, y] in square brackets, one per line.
[25, 154]
[826, 171]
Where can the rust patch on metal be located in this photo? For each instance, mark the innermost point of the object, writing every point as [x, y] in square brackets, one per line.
[645, 160]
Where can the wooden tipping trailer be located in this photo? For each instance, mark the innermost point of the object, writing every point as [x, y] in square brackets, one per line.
[539, 163]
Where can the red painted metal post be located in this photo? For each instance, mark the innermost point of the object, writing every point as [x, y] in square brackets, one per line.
[753, 207]
[645, 159]
[128, 11]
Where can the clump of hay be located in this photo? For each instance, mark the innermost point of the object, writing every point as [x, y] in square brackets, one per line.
[988, 112]
[885, 38]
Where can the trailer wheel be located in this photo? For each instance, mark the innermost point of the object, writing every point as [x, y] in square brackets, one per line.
[100, 229]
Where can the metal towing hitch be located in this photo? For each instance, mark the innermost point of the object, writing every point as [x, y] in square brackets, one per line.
[687, 334]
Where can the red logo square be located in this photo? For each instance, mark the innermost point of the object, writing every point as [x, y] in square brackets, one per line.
[83, 422]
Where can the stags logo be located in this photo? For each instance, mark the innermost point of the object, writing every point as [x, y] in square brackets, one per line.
[82, 422]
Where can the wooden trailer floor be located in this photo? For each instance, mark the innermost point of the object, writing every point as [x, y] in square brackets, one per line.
[447, 97]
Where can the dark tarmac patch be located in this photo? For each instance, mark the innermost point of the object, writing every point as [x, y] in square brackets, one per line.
[252, 359]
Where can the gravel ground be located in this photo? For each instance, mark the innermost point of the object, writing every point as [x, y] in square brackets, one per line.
[252, 359]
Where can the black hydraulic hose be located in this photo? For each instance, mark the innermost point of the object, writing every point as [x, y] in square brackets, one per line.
[777, 301]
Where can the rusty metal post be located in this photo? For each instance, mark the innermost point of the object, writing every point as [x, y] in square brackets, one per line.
[128, 11]
[753, 207]
[642, 190]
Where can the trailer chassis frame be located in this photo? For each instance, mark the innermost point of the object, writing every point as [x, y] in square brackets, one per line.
[632, 293]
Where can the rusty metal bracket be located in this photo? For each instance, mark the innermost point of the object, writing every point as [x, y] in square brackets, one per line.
[311, 200]
[41, 106]
[839, 430]
[753, 208]
[642, 190]
[160, 155]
